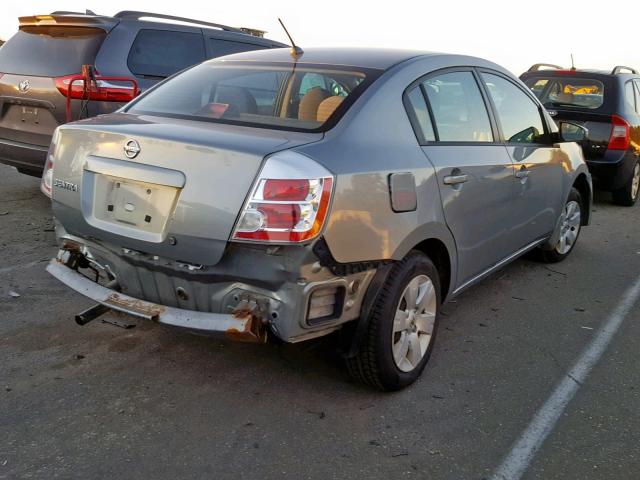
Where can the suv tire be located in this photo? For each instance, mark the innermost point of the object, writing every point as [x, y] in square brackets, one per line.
[400, 332]
[628, 195]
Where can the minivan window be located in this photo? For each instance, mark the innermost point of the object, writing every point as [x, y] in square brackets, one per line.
[567, 91]
[420, 114]
[458, 108]
[220, 48]
[255, 94]
[519, 115]
[161, 53]
[50, 51]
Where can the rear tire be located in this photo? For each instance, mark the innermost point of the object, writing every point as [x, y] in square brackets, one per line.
[570, 227]
[401, 327]
[627, 196]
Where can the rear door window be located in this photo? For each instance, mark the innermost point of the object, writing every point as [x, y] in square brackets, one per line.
[419, 113]
[50, 51]
[519, 115]
[161, 53]
[458, 108]
[220, 48]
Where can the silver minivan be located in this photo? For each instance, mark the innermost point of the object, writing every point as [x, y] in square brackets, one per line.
[270, 195]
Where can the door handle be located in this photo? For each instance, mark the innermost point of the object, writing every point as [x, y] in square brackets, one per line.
[455, 179]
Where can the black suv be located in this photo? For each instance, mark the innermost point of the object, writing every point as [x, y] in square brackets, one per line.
[41, 59]
[607, 104]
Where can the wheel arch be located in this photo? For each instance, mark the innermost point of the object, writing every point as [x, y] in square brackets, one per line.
[437, 251]
[583, 185]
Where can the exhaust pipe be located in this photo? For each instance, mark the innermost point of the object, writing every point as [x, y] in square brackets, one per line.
[91, 313]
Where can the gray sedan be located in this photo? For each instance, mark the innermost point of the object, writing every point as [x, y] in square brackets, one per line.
[264, 195]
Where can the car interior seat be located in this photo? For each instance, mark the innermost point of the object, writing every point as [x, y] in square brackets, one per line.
[239, 99]
[327, 107]
[308, 108]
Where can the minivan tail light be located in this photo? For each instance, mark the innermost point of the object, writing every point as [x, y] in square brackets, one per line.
[106, 91]
[284, 206]
[620, 134]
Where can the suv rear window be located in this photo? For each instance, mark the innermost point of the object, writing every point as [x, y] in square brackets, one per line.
[161, 53]
[220, 48]
[50, 51]
[259, 95]
[567, 91]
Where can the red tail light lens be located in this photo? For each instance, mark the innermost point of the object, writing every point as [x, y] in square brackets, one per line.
[286, 190]
[620, 134]
[106, 91]
[289, 202]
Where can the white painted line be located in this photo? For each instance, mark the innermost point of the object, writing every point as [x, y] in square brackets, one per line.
[517, 461]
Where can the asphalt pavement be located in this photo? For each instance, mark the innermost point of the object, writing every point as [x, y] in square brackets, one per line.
[101, 401]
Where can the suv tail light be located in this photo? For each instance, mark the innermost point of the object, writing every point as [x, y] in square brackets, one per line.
[620, 134]
[106, 91]
[47, 175]
[289, 203]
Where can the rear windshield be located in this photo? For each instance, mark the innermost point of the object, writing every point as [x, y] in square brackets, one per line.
[50, 51]
[567, 91]
[279, 96]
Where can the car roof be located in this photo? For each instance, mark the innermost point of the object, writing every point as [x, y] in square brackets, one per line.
[376, 58]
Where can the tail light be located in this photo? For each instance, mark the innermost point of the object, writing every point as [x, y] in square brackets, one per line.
[620, 134]
[106, 91]
[47, 175]
[289, 202]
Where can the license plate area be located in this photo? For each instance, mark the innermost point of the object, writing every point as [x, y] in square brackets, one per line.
[141, 206]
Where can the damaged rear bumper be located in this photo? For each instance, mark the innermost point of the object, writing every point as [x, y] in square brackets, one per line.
[241, 325]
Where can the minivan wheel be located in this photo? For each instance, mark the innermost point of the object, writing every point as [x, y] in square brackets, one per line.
[401, 327]
[570, 223]
[628, 195]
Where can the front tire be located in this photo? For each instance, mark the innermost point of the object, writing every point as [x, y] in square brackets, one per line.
[401, 327]
[627, 196]
[570, 227]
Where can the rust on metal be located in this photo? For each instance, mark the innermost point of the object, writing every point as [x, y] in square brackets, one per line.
[254, 331]
[134, 305]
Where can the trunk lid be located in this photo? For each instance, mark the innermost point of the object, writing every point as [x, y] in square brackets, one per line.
[179, 196]
[598, 124]
[45, 48]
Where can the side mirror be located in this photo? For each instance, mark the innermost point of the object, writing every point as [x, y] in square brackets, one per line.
[572, 132]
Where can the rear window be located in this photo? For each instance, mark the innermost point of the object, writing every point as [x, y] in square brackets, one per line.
[567, 91]
[219, 48]
[160, 53]
[279, 96]
[50, 51]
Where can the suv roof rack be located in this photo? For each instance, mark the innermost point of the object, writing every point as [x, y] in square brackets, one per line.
[619, 69]
[135, 15]
[536, 67]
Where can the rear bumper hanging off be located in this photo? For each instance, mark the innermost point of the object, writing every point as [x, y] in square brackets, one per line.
[241, 325]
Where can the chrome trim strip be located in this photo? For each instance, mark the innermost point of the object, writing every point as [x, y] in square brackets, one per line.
[495, 267]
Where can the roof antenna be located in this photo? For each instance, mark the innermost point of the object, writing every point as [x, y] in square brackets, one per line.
[296, 51]
[573, 65]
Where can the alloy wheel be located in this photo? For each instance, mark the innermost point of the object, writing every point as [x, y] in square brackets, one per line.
[569, 227]
[413, 323]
